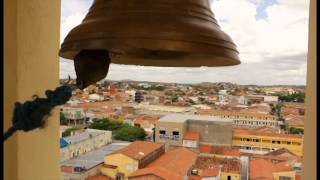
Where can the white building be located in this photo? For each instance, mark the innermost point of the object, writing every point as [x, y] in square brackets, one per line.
[89, 164]
[95, 97]
[73, 112]
[84, 142]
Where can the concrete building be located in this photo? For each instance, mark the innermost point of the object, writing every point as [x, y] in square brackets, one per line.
[260, 98]
[75, 116]
[89, 164]
[173, 128]
[84, 142]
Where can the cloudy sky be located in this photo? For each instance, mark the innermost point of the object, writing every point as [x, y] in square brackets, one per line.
[271, 35]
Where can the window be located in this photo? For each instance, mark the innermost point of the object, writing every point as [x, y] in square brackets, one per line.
[229, 178]
[285, 178]
[175, 135]
[118, 177]
[162, 134]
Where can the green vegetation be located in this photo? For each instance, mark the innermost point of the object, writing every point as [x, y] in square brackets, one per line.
[63, 119]
[120, 130]
[276, 109]
[129, 133]
[294, 130]
[67, 132]
[295, 97]
[151, 88]
[174, 98]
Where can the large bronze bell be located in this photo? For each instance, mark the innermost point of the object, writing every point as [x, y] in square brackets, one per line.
[167, 33]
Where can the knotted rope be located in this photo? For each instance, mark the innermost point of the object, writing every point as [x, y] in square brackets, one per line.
[34, 114]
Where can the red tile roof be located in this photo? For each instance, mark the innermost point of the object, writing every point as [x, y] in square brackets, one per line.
[139, 149]
[174, 164]
[204, 148]
[157, 171]
[282, 151]
[213, 172]
[247, 131]
[267, 129]
[192, 135]
[228, 165]
[298, 177]
[219, 150]
[99, 177]
[194, 177]
[261, 168]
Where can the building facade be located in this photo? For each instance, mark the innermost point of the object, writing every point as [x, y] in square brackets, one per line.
[84, 142]
[250, 141]
[171, 130]
[139, 154]
[244, 119]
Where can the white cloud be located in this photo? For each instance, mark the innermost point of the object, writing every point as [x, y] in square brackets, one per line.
[68, 23]
[273, 50]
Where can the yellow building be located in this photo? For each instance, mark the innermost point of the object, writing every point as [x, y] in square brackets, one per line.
[243, 119]
[252, 141]
[137, 155]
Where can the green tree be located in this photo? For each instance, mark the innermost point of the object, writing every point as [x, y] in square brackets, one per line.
[67, 132]
[102, 124]
[294, 97]
[114, 125]
[294, 130]
[106, 124]
[174, 98]
[129, 133]
[63, 119]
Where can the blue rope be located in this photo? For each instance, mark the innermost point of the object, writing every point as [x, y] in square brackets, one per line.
[32, 114]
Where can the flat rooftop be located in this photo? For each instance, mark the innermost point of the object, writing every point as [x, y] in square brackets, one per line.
[180, 118]
[93, 158]
[84, 135]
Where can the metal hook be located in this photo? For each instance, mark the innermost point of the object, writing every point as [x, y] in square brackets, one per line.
[69, 80]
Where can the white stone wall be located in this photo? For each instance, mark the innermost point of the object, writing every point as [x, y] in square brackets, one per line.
[190, 143]
[85, 146]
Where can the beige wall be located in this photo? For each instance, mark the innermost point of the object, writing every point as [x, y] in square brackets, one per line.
[85, 146]
[31, 66]
[10, 88]
[169, 127]
[310, 128]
